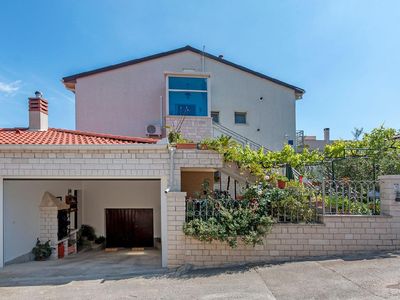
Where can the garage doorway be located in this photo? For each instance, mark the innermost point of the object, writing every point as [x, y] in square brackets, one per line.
[129, 227]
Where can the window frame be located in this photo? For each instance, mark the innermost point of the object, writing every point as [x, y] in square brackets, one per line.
[245, 117]
[215, 112]
[187, 75]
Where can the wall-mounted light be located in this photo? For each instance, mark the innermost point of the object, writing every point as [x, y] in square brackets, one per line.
[396, 188]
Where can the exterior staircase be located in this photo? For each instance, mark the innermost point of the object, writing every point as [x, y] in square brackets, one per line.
[219, 129]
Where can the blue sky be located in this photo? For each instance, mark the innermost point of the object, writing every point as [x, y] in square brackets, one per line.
[344, 53]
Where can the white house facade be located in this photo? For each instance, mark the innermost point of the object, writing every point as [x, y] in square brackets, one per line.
[158, 90]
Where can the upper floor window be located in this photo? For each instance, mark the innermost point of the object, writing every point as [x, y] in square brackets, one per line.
[215, 116]
[188, 96]
[240, 118]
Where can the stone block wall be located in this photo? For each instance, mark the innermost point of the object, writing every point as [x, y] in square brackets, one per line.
[49, 227]
[193, 128]
[338, 235]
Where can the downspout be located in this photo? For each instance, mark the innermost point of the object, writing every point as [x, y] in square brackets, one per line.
[161, 113]
[171, 169]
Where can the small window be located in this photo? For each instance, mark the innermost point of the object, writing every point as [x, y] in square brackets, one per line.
[215, 116]
[240, 118]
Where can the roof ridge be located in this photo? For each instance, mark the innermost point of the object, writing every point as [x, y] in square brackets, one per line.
[72, 78]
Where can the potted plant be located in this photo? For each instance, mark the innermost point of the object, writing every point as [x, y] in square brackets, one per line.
[61, 250]
[41, 251]
[101, 240]
[281, 180]
[186, 145]
[71, 246]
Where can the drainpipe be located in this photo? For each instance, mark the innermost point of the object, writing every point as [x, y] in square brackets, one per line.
[171, 169]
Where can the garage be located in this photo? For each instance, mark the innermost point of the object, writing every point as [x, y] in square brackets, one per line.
[127, 212]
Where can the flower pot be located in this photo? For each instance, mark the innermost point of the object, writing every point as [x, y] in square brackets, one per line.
[61, 250]
[281, 184]
[186, 146]
[202, 147]
[71, 249]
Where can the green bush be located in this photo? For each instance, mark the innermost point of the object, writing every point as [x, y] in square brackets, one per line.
[87, 232]
[100, 240]
[340, 204]
[41, 251]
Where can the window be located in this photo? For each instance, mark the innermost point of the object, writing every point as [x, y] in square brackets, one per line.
[215, 116]
[240, 117]
[187, 96]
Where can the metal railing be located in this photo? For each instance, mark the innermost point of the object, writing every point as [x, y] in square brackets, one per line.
[241, 139]
[283, 211]
[351, 197]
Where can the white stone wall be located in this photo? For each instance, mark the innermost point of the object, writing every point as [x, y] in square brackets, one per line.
[338, 235]
[84, 162]
[49, 227]
[101, 162]
[193, 128]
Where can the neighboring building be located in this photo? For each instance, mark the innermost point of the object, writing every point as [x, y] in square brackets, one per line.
[140, 97]
[311, 142]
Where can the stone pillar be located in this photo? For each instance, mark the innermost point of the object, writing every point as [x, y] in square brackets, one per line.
[1, 223]
[176, 238]
[389, 205]
[49, 223]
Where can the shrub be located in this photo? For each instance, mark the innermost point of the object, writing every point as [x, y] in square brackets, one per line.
[41, 251]
[100, 240]
[87, 232]
[346, 206]
[230, 220]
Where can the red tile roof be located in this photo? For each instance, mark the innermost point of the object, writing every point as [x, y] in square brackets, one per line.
[54, 136]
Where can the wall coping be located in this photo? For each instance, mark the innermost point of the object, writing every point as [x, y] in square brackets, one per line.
[174, 194]
[391, 177]
[357, 216]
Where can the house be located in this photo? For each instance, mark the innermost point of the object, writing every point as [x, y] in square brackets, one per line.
[310, 141]
[143, 96]
[102, 179]
[115, 172]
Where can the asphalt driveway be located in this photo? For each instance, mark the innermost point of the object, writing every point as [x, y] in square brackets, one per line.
[362, 277]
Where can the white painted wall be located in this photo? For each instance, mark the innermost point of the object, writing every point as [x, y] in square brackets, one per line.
[22, 199]
[21, 212]
[99, 195]
[124, 101]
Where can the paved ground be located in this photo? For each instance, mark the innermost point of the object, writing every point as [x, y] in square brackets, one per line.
[367, 277]
[86, 265]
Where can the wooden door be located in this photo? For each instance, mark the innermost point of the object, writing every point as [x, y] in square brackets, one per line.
[129, 227]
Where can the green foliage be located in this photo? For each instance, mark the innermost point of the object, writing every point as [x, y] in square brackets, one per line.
[294, 204]
[232, 220]
[338, 204]
[41, 251]
[261, 163]
[376, 152]
[249, 219]
[100, 240]
[87, 232]
[355, 159]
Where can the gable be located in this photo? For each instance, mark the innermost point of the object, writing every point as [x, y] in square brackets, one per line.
[70, 81]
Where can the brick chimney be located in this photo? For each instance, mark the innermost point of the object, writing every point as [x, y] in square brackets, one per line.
[38, 113]
[326, 134]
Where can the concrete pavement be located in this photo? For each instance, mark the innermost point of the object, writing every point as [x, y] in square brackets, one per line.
[364, 277]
